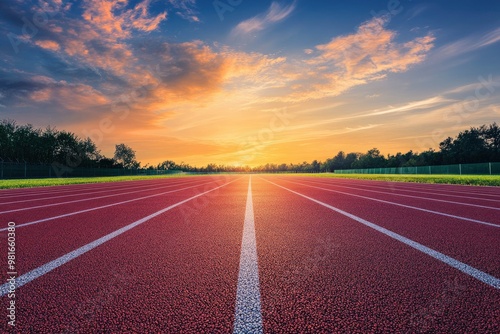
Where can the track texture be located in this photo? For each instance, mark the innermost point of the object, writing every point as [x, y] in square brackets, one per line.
[174, 266]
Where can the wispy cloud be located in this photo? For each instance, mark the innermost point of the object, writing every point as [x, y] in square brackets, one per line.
[490, 38]
[467, 44]
[410, 106]
[186, 9]
[416, 11]
[456, 105]
[274, 14]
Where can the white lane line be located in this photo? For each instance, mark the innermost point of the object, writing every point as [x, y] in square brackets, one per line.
[48, 267]
[468, 189]
[103, 206]
[333, 184]
[71, 188]
[147, 187]
[402, 205]
[84, 199]
[465, 268]
[424, 198]
[431, 187]
[248, 316]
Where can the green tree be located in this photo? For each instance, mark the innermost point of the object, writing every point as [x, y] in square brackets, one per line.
[168, 165]
[372, 159]
[126, 156]
[492, 138]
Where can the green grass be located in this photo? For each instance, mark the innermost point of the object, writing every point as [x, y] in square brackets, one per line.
[476, 180]
[29, 183]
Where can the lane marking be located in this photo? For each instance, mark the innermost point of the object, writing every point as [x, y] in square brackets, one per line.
[147, 187]
[403, 205]
[48, 267]
[424, 198]
[468, 189]
[71, 188]
[465, 268]
[103, 206]
[434, 192]
[434, 187]
[84, 199]
[248, 316]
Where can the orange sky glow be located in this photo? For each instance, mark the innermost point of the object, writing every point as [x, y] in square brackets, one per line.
[236, 97]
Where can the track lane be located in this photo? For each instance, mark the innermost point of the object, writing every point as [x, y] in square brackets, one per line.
[429, 193]
[57, 197]
[323, 272]
[465, 268]
[48, 203]
[478, 191]
[75, 188]
[485, 215]
[165, 275]
[40, 243]
[471, 243]
[29, 216]
[318, 272]
[475, 203]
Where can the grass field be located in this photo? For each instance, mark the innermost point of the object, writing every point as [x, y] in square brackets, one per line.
[28, 183]
[476, 180]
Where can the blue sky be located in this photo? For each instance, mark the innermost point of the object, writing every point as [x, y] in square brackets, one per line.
[204, 81]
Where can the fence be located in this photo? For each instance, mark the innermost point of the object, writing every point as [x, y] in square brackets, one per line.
[16, 170]
[487, 168]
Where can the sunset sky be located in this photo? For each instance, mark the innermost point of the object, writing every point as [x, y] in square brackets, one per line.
[245, 82]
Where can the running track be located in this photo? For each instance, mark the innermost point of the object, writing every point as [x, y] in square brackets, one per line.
[272, 254]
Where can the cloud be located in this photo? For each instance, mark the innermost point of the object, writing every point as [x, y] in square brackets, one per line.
[467, 44]
[416, 11]
[274, 14]
[169, 74]
[112, 17]
[48, 45]
[193, 89]
[70, 97]
[372, 51]
[489, 38]
[450, 118]
[194, 71]
[186, 9]
[367, 55]
[410, 106]
[253, 67]
[91, 69]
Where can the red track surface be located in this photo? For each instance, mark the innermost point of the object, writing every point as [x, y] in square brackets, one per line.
[319, 270]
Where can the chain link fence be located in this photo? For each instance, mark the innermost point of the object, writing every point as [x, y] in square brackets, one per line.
[21, 170]
[487, 168]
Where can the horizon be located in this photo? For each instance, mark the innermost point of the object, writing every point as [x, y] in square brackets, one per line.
[251, 83]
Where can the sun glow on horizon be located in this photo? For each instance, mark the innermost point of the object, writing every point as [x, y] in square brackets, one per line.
[264, 85]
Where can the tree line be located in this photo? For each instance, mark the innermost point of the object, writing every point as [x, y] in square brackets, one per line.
[24, 143]
[476, 145]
